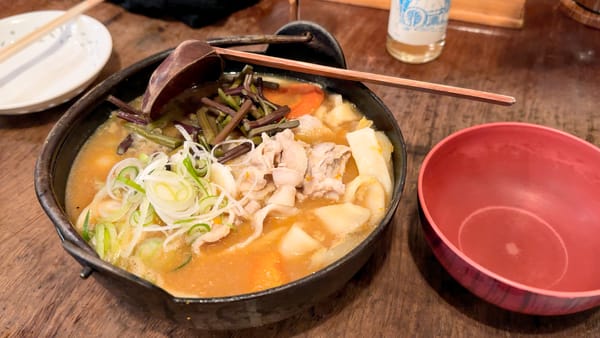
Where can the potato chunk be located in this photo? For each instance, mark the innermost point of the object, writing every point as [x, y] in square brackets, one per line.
[296, 242]
[341, 114]
[340, 219]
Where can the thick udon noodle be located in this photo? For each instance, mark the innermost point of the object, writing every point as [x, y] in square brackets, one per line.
[298, 201]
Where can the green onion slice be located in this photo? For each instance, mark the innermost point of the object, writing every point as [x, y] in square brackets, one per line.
[86, 232]
[187, 163]
[135, 216]
[100, 240]
[201, 228]
[185, 262]
[106, 239]
[127, 176]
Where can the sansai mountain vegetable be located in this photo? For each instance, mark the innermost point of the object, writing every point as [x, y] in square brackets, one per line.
[242, 106]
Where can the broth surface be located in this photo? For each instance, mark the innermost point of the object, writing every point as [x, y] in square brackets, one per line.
[216, 270]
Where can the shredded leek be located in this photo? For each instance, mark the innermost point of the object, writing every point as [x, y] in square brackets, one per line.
[185, 262]
[106, 241]
[136, 217]
[99, 239]
[86, 233]
[169, 196]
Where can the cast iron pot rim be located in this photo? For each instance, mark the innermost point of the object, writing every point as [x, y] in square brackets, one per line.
[45, 166]
[446, 242]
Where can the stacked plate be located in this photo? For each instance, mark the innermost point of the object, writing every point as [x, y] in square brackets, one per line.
[53, 69]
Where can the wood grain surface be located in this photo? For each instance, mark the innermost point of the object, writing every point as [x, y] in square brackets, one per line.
[551, 66]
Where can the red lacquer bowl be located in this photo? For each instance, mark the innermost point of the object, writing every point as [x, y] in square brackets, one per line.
[512, 211]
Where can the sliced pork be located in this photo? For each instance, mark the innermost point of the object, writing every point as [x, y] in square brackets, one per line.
[326, 166]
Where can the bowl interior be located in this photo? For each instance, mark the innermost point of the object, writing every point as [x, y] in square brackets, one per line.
[521, 201]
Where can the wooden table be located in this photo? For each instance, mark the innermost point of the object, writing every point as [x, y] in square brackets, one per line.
[552, 67]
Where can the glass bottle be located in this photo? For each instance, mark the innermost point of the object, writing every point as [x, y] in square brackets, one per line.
[417, 29]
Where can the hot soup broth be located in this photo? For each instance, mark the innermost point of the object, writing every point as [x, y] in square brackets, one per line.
[197, 226]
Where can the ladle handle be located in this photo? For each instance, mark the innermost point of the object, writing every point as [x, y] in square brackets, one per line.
[353, 75]
[240, 40]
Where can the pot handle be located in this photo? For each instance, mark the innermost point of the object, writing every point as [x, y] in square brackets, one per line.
[322, 49]
[90, 262]
[81, 256]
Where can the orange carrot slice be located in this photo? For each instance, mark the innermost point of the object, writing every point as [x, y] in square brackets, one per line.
[267, 272]
[302, 98]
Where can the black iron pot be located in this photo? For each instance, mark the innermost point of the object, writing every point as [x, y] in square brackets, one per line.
[240, 311]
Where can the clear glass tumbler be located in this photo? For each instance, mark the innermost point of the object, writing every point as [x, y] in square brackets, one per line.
[417, 29]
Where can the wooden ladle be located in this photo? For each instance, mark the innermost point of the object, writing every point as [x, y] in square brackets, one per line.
[195, 61]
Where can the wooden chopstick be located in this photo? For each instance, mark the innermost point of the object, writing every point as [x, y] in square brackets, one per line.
[352, 75]
[38, 33]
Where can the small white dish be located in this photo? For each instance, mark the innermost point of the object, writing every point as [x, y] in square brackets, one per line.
[54, 69]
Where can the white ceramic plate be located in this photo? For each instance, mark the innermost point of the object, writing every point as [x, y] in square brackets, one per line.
[55, 68]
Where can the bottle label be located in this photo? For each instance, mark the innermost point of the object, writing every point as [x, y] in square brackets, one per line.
[418, 22]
